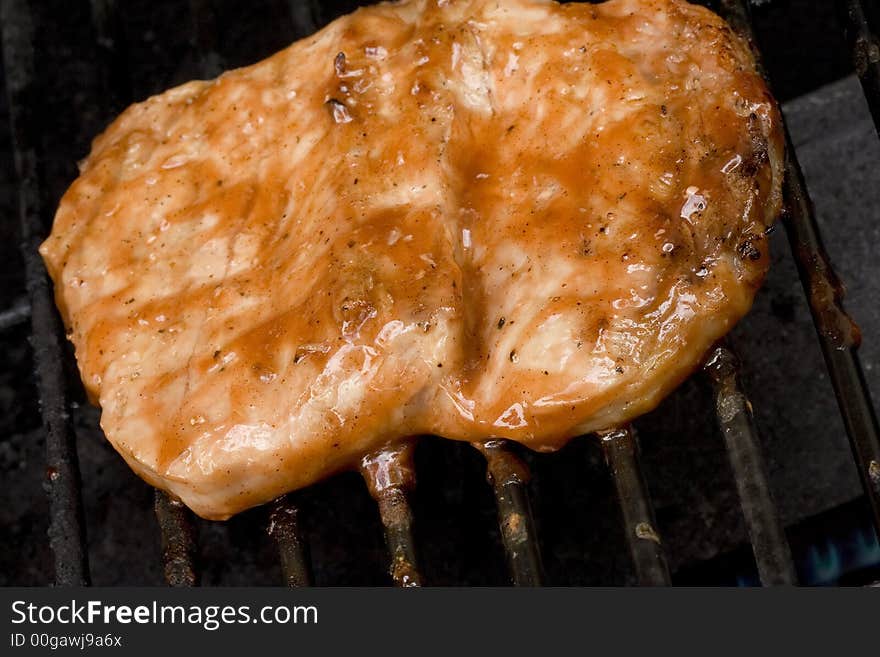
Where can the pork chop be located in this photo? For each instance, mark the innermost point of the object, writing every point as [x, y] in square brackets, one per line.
[478, 219]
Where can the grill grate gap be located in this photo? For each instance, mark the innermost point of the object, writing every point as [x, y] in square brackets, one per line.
[865, 52]
[112, 47]
[19, 313]
[204, 39]
[304, 17]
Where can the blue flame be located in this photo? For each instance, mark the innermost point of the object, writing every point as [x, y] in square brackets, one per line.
[748, 580]
[826, 562]
[868, 547]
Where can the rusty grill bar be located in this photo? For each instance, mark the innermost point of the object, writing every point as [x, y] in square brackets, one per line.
[390, 476]
[179, 541]
[293, 551]
[639, 526]
[734, 413]
[507, 474]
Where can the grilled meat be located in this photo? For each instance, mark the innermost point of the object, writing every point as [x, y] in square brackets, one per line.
[472, 218]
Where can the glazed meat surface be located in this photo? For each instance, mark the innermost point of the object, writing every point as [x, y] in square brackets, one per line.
[471, 218]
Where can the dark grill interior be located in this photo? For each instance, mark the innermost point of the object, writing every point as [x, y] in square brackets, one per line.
[101, 56]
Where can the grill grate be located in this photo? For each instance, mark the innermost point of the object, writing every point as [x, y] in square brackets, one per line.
[507, 474]
[838, 335]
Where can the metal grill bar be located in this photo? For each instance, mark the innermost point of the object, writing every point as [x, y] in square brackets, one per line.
[390, 475]
[67, 531]
[178, 541]
[838, 335]
[734, 412]
[622, 454]
[293, 551]
[509, 477]
[865, 52]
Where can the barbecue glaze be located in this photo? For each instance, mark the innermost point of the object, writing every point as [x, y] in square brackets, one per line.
[472, 218]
